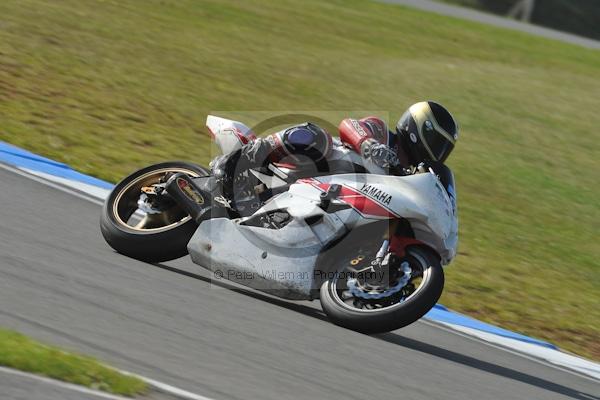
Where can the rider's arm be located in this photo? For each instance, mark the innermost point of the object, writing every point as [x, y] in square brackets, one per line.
[355, 132]
[368, 137]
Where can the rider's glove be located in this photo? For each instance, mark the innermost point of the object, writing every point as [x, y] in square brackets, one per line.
[380, 154]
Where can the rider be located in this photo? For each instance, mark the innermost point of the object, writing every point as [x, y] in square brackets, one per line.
[426, 133]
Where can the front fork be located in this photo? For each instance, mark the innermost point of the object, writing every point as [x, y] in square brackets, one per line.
[389, 233]
[382, 257]
[387, 268]
[385, 246]
[400, 236]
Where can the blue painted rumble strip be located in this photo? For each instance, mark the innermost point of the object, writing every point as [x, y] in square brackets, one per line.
[18, 157]
[442, 314]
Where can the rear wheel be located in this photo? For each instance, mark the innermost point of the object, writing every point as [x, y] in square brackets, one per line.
[372, 307]
[148, 229]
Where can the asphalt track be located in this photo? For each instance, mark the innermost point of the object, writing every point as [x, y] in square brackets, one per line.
[491, 19]
[20, 388]
[60, 283]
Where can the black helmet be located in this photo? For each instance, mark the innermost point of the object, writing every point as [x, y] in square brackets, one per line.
[427, 132]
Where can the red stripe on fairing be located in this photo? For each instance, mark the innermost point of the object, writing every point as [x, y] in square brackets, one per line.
[285, 165]
[211, 132]
[248, 137]
[363, 203]
[243, 139]
[354, 198]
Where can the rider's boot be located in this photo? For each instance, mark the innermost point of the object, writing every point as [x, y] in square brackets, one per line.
[227, 167]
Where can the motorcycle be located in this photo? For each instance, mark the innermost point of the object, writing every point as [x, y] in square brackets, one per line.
[369, 246]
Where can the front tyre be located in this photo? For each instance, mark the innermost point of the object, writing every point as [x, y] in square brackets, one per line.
[148, 234]
[345, 306]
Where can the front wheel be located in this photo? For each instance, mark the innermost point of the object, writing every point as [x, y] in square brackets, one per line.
[144, 228]
[364, 307]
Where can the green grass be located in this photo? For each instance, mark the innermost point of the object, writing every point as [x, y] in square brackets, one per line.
[20, 352]
[110, 86]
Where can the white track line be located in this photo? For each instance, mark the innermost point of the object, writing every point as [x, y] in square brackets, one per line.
[86, 188]
[184, 394]
[554, 357]
[63, 385]
[454, 330]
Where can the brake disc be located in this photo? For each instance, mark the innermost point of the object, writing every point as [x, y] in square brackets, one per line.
[357, 290]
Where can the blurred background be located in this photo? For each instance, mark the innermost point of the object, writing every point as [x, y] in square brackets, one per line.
[111, 86]
[581, 17]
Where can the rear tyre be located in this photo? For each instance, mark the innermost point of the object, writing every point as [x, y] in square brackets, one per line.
[368, 316]
[150, 237]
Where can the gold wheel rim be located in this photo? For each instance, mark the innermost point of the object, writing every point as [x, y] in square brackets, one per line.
[146, 180]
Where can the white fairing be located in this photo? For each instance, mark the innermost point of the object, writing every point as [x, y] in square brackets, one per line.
[229, 135]
[284, 260]
[420, 198]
